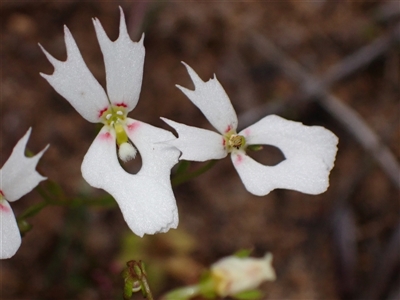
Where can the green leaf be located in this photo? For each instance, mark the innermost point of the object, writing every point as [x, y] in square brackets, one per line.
[249, 295]
[242, 253]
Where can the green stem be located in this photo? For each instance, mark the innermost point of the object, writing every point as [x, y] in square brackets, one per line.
[32, 210]
[182, 178]
[146, 286]
[63, 201]
[44, 195]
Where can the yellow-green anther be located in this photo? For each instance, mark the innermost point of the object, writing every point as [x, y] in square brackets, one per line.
[122, 137]
[236, 141]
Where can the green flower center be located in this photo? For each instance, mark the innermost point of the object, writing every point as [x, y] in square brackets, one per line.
[115, 117]
[234, 142]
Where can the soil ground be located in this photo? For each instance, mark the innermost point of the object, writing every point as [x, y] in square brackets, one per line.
[341, 244]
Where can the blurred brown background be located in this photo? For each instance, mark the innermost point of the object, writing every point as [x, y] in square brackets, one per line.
[329, 63]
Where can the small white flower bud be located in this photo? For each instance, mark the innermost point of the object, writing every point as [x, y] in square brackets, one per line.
[126, 152]
[233, 275]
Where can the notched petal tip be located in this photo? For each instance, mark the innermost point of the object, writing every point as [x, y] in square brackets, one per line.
[67, 32]
[193, 75]
[21, 175]
[95, 21]
[140, 42]
[185, 64]
[73, 80]
[175, 126]
[122, 18]
[124, 60]
[168, 121]
[55, 62]
[123, 30]
[21, 145]
[70, 43]
[196, 78]
[181, 88]
[40, 154]
[188, 93]
[211, 98]
[102, 36]
[28, 132]
[45, 76]
[35, 159]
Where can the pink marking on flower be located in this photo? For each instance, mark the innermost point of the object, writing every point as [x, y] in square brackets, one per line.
[247, 132]
[133, 126]
[105, 136]
[121, 104]
[223, 142]
[239, 159]
[102, 111]
[4, 208]
[229, 128]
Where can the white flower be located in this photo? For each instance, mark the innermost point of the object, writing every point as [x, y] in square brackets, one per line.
[17, 178]
[232, 275]
[146, 198]
[309, 151]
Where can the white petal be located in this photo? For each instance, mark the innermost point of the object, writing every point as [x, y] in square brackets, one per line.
[309, 151]
[294, 139]
[10, 238]
[18, 175]
[124, 61]
[146, 198]
[211, 98]
[73, 80]
[197, 144]
[158, 158]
